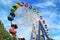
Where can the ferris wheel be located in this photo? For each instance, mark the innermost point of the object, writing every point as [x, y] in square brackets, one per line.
[28, 16]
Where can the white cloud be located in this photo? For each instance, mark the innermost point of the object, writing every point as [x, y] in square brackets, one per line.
[3, 15]
[46, 4]
[49, 3]
[56, 37]
[6, 2]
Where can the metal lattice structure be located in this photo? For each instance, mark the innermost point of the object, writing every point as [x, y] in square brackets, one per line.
[41, 33]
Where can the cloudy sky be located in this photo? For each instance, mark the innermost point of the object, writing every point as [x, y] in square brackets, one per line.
[49, 9]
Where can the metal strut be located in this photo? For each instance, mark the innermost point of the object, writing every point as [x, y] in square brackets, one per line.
[44, 32]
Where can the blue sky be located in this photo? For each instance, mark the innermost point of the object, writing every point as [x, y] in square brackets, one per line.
[49, 9]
